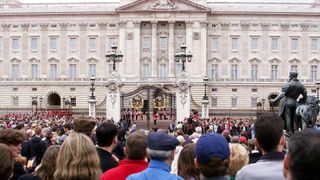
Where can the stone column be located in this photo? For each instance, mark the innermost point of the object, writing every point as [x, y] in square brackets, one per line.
[113, 97]
[171, 49]
[183, 97]
[122, 46]
[6, 49]
[63, 49]
[83, 50]
[101, 66]
[154, 49]
[92, 107]
[203, 49]
[24, 66]
[189, 37]
[137, 48]
[205, 109]
[44, 51]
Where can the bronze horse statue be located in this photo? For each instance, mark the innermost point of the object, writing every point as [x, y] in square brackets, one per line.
[306, 114]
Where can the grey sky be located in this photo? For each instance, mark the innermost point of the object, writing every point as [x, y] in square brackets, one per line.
[66, 1]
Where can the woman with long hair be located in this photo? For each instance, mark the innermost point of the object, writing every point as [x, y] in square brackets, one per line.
[77, 159]
[186, 165]
[47, 166]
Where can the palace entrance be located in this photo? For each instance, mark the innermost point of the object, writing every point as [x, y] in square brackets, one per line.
[142, 103]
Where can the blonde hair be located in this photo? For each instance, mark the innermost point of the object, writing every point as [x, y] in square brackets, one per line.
[77, 159]
[239, 157]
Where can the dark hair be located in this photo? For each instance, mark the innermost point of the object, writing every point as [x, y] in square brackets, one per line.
[11, 136]
[67, 126]
[215, 167]
[304, 155]
[186, 166]
[136, 146]
[268, 129]
[7, 162]
[105, 133]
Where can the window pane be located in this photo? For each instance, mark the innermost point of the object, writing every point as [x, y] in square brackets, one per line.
[15, 71]
[254, 44]
[34, 70]
[274, 72]
[234, 102]
[146, 71]
[214, 71]
[254, 72]
[92, 70]
[53, 71]
[235, 44]
[15, 44]
[72, 70]
[92, 43]
[214, 102]
[112, 40]
[314, 72]
[53, 43]
[234, 71]
[294, 68]
[178, 68]
[146, 42]
[215, 44]
[73, 44]
[314, 44]
[34, 43]
[294, 44]
[254, 102]
[163, 43]
[163, 71]
[274, 44]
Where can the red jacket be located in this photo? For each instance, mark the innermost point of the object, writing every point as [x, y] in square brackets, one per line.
[124, 169]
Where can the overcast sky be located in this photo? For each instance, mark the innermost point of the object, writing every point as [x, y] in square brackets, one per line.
[64, 1]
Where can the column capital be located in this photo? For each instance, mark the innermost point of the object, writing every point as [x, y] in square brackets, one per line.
[44, 26]
[64, 26]
[285, 26]
[25, 26]
[154, 23]
[225, 26]
[189, 24]
[6, 27]
[83, 26]
[204, 24]
[245, 26]
[171, 22]
[265, 26]
[122, 24]
[305, 26]
[136, 24]
[103, 25]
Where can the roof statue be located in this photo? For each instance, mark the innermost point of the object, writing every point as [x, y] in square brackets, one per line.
[163, 4]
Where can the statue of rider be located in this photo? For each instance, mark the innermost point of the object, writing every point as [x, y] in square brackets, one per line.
[288, 104]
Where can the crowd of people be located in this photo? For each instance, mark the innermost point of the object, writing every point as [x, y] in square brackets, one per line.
[60, 146]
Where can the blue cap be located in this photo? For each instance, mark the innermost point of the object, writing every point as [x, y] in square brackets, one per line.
[212, 145]
[162, 141]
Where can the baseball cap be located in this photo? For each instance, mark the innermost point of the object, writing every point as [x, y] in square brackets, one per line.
[212, 145]
[162, 141]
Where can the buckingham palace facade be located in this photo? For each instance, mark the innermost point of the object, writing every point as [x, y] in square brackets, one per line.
[49, 51]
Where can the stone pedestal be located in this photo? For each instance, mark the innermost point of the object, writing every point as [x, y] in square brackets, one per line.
[113, 97]
[205, 108]
[92, 107]
[183, 97]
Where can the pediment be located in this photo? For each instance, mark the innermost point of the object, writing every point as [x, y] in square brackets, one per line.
[234, 60]
[53, 60]
[255, 60]
[34, 60]
[294, 61]
[92, 60]
[163, 5]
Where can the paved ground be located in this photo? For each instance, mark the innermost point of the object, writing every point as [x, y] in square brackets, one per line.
[145, 124]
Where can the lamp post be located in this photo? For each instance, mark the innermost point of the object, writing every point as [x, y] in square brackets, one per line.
[263, 101]
[183, 56]
[114, 56]
[34, 102]
[205, 100]
[92, 99]
[92, 79]
[318, 87]
[40, 100]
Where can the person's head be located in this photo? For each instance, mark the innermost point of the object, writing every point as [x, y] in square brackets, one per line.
[161, 146]
[186, 166]
[77, 159]
[303, 156]
[48, 163]
[106, 134]
[212, 155]
[38, 131]
[67, 127]
[136, 146]
[84, 125]
[293, 74]
[7, 162]
[239, 157]
[269, 132]
[13, 138]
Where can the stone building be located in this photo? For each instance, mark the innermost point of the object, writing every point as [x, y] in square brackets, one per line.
[48, 51]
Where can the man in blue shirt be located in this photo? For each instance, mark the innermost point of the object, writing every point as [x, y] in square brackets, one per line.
[161, 148]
